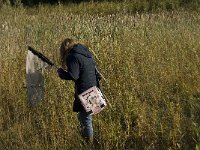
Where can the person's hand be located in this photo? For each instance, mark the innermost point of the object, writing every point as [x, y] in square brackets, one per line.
[61, 73]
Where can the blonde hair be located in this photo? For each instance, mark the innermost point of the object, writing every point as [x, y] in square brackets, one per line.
[65, 48]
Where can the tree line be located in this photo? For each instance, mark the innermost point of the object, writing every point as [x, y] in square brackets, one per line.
[141, 4]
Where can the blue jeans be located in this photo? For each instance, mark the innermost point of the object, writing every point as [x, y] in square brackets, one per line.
[85, 120]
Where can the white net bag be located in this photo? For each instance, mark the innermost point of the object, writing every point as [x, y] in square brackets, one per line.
[34, 78]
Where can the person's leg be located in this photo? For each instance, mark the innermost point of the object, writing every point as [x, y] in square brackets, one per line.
[85, 120]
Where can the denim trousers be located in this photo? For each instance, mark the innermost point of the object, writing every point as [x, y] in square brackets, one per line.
[85, 120]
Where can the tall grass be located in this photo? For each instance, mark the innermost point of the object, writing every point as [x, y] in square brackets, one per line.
[151, 63]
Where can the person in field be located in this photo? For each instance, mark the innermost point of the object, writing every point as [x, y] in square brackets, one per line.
[81, 68]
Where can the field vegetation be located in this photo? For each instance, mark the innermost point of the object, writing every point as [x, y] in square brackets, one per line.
[151, 61]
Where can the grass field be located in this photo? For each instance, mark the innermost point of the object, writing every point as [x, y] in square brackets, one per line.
[151, 62]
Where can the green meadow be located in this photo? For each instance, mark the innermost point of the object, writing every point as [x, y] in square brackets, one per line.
[151, 62]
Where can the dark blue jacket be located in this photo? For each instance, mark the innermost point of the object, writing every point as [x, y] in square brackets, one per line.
[81, 68]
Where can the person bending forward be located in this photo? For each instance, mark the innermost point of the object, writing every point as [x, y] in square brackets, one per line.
[81, 68]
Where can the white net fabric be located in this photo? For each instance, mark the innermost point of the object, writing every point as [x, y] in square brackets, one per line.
[34, 78]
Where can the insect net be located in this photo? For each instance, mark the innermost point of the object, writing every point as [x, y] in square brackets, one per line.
[34, 78]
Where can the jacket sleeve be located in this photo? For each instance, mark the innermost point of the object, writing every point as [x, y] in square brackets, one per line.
[73, 67]
[65, 76]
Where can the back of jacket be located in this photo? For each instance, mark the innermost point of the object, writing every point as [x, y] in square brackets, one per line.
[81, 67]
